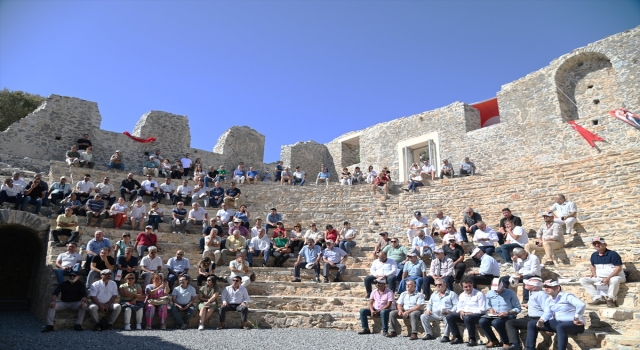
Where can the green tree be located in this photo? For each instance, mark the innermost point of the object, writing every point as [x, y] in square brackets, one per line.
[15, 105]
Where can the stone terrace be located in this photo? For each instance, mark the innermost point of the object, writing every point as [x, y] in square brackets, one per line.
[607, 207]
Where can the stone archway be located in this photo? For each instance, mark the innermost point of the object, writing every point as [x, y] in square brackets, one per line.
[23, 260]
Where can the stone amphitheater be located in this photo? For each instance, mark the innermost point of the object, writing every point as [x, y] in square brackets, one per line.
[523, 161]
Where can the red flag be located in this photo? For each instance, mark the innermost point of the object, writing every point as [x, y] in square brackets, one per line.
[588, 135]
[626, 116]
[137, 139]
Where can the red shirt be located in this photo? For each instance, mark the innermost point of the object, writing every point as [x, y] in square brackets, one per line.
[333, 235]
[147, 240]
[279, 232]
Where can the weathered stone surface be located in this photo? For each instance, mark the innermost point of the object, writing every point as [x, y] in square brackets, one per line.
[241, 144]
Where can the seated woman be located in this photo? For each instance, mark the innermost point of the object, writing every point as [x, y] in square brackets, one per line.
[165, 168]
[371, 175]
[381, 181]
[157, 289]
[330, 234]
[156, 215]
[414, 181]
[137, 214]
[243, 215]
[199, 172]
[279, 231]
[122, 244]
[357, 175]
[314, 234]
[208, 296]
[74, 203]
[131, 299]
[345, 177]
[206, 269]
[118, 213]
[281, 250]
[296, 238]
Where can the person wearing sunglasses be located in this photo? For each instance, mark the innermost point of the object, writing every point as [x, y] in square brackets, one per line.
[440, 305]
[74, 296]
[131, 299]
[235, 298]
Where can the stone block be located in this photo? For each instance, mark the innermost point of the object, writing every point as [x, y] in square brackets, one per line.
[616, 314]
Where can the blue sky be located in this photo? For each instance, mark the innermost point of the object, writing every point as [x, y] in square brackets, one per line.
[293, 70]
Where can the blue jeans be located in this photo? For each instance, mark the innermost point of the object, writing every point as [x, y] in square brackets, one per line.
[29, 200]
[500, 324]
[463, 232]
[412, 186]
[114, 165]
[265, 258]
[384, 315]
[182, 320]
[60, 273]
[402, 287]
[296, 180]
[505, 251]
[563, 329]
[154, 220]
[347, 245]
[215, 203]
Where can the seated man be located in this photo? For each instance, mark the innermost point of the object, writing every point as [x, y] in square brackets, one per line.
[235, 298]
[137, 214]
[471, 305]
[74, 297]
[216, 195]
[323, 176]
[357, 176]
[380, 303]
[103, 294]
[469, 223]
[166, 191]
[381, 268]
[485, 237]
[12, 193]
[333, 257]
[413, 270]
[200, 191]
[267, 176]
[549, 237]
[240, 268]
[116, 161]
[99, 263]
[310, 255]
[239, 175]
[234, 244]
[397, 253]
[446, 169]
[489, 269]
[259, 246]
[179, 218]
[516, 237]
[605, 270]
[95, 209]
[106, 190]
[428, 170]
[272, 219]
[83, 143]
[440, 305]
[441, 269]
[423, 245]
[72, 157]
[128, 263]
[86, 158]
[252, 176]
[150, 265]
[177, 266]
[503, 303]
[149, 187]
[467, 167]
[129, 186]
[526, 266]
[454, 251]
[410, 304]
[565, 212]
[563, 314]
[452, 234]
[383, 241]
[184, 298]
[507, 215]
[441, 225]
[68, 262]
[417, 223]
[535, 309]
[183, 193]
[71, 201]
[93, 247]
[211, 242]
[232, 196]
[59, 190]
[299, 176]
[151, 167]
[34, 194]
[211, 176]
[206, 231]
[65, 225]
[84, 188]
[197, 216]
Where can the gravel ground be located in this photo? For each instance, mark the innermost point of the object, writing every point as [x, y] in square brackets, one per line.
[22, 331]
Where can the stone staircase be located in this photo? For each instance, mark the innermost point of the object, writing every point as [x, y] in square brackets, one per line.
[606, 207]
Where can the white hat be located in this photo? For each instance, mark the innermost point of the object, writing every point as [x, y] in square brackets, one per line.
[475, 251]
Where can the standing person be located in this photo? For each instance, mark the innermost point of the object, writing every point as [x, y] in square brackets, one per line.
[235, 298]
[103, 294]
[410, 304]
[278, 171]
[563, 314]
[471, 305]
[605, 269]
[184, 298]
[380, 303]
[74, 297]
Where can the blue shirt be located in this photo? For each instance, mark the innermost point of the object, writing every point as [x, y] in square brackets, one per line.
[252, 174]
[95, 246]
[242, 216]
[217, 192]
[489, 266]
[239, 172]
[609, 257]
[414, 270]
[447, 301]
[310, 255]
[503, 302]
[536, 303]
[178, 266]
[564, 308]
[334, 255]
[324, 175]
[274, 218]
[427, 241]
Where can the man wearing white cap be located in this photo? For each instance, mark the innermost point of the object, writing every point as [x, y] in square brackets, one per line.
[563, 314]
[417, 223]
[566, 212]
[440, 304]
[489, 269]
[103, 294]
[380, 303]
[537, 299]
[549, 237]
[333, 257]
[606, 270]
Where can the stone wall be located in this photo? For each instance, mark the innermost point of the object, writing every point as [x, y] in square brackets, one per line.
[309, 156]
[241, 144]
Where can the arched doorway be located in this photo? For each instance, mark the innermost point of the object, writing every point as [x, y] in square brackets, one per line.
[21, 260]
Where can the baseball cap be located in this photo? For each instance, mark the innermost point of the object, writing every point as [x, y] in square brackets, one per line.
[416, 213]
[534, 281]
[411, 254]
[148, 226]
[381, 281]
[598, 239]
[383, 233]
[330, 241]
[548, 213]
[118, 151]
[439, 250]
[550, 283]
[474, 252]
[73, 273]
[105, 272]
[237, 220]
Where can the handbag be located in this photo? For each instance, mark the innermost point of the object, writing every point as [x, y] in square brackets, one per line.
[252, 277]
[163, 300]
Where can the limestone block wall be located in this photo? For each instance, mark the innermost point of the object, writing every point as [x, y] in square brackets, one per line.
[309, 156]
[241, 144]
[174, 129]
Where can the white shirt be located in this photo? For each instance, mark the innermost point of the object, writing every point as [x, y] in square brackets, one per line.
[487, 233]
[224, 215]
[254, 231]
[428, 168]
[426, 241]
[422, 223]
[489, 266]
[103, 292]
[258, 243]
[199, 214]
[350, 233]
[315, 235]
[167, 187]
[457, 236]
[146, 185]
[12, 191]
[20, 182]
[530, 266]
[299, 174]
[387, 268]
[441, 224]
[184, 190]
[522, 239]
[235, 296]
[69, 259]
[186, 162]
[151, 264]
[82, 186]
[475, 303]
[104, 188]
[565, 208]
[201, 192]
[207, 247]
[137, 211]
